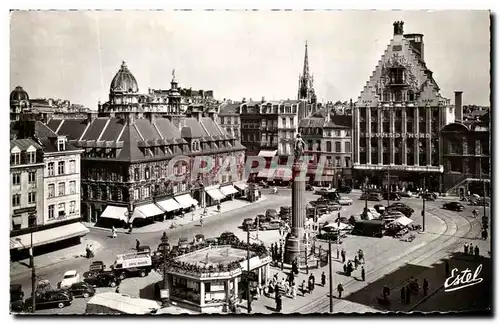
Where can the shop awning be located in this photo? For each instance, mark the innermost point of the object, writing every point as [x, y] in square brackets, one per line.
[403, 220]
[241, 185]
[228, 190]
[216, 194]
[266, 173]
[115, 212]
[169, 204]
[268, 153]
[17, 220]
[48, 236]
[146, 211]
[186, 201]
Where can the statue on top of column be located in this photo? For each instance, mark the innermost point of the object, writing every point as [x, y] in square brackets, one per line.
[299, 146]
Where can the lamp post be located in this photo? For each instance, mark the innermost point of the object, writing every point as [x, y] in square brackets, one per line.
[366, 194]
[423, 206]
[388, 187]
[164, 241]
[249, 302]
[330, 270]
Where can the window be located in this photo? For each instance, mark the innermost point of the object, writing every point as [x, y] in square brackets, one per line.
[72, 187]
[347, 162]
[283, 122]
[61, 189]
[60, 167]
[51, 190]
[16, 178]
[347, 147]
[72, 166]
[147, 192]
[337, 161]
[32, 220]
[328, 146]
[31, 176]
[60, 144]
[62, 210]
[136, 174]
[146, 173]
[17, 223]
[136, 194]
[50, 168]
[16, 200]
[32, 157]
[31, 197]
[72, 207]
[15, 158]
[348, 133]
[338, 147]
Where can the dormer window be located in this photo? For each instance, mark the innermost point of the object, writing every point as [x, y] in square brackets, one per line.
[61, 144]
[15, 158]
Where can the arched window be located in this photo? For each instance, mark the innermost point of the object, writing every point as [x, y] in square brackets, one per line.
[146, 173]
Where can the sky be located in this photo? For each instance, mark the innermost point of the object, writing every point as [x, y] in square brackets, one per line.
[74, 55]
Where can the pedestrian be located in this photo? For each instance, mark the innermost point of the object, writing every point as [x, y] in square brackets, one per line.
[471, 249]
[356, 262]
[312, 278]
[363, 273]
[425, 286]
[340, 289]
[345, 268]
[386, 291]
[279, 304]
[323, 279]
[287, 288]
[447, 268]
[113, 231]
[294, 290]
[403, 295]
[137, 244]
[303, 288]
[408, 293]
[476, 251]
[466, 248]
[343, 254]
[361, 255]
[218, 207]
[117, 290]
[91, 251]
[130, 228]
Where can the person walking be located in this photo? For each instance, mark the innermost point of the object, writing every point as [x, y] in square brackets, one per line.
[218, 207]
[466, 248]
[130, 228]
[471, 249]
[340, 289]
[408, 294]
[323, 279]
[476, 252]
[303, 288]
[294, 291]
[343, 254]
[363, 273]
[361, 256]
[312, 278]
[356, 262]
[447, 268]
[137, 244]
[425, 286]
[113, 231]
[403, 295]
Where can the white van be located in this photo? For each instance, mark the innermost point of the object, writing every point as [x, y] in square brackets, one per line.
[131, 264]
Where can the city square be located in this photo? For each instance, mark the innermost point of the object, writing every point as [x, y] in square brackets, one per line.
[188, 202]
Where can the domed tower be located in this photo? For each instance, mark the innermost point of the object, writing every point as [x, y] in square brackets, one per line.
[19, 101]
[174, 97]
[124, 91]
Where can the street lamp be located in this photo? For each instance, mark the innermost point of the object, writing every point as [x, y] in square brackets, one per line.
[388, 187]
[33, 275]
[423, 205]
[164, 241]
[366, 195]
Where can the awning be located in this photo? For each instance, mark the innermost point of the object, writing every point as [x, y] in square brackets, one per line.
[186, 201]
[17, 220]
[115, 212]
[266, 173]
[228, 190]
[216, 194]
[48, 236]
[241, 185]
[283, 174]
[268, 153]
[169, 205]
[403, 220]
[146, 211]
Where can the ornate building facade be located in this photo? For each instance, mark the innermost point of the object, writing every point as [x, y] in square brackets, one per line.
[128, 149]
[397, 118]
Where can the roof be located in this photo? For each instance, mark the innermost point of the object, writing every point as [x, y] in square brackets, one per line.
[19, 94]
[71, 127]
[229, 108]
[24, 143]
[124, 81]
[48, 138]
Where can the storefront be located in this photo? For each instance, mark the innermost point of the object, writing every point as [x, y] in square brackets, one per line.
[170, 206]
[186, 201]
[213, 196]
[145, 214]
[229, 191]
[242, 188]
[207, 279]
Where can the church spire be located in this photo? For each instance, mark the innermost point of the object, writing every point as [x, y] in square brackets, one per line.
[305, 73]
[306, 89]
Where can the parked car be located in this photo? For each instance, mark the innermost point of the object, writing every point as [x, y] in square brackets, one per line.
[272, 225]
[407, 193]
[392, 196]
[405, 209]
[16, 298]
[331, 195]
[228, 238]
[101, 279]
[322, 191]
[373, 228]
[247, 223]
[81, 289]
[271, 214]
[49, 299]
[183, 243]
[344, 189]
[456, 206]
[343, 200]
[69, 278]
[481, 201]
[372, 196]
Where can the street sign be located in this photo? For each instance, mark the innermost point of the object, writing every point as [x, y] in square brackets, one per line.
[250, 276]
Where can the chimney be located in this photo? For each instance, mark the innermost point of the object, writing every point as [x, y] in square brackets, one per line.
[458, 106]
[263, 99]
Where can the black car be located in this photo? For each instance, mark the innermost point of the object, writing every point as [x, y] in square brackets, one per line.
[228, 238]
[379, 208]
[392, 196]
[456, 206]
[16, 298]
[101, 279]
[344, 189]
[49, 299]
[406, 210]
[372, 196]
[81, 289]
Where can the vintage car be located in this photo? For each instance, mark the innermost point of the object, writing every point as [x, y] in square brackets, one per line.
[345, 201]
[344, 189]
[81, 289]
[69, 278]
[101, 279]
[456, 206]
[391, 195]
[49, 299]
[228, 238]
[272, 225]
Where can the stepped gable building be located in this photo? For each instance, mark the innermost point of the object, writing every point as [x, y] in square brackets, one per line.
[328, 137]
[466, 153]
[397, 118]
[128, 148]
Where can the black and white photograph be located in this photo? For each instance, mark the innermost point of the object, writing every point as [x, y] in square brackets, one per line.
[250, 162]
